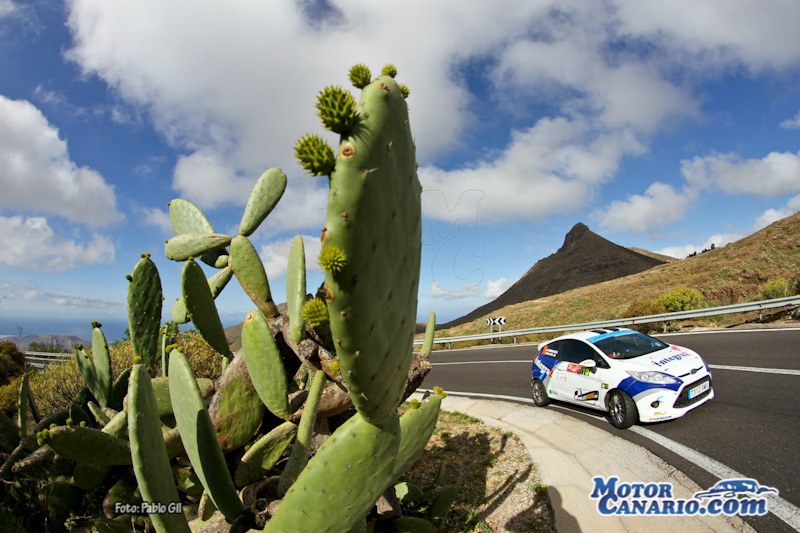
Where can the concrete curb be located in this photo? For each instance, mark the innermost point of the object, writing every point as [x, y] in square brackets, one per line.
[568, 453]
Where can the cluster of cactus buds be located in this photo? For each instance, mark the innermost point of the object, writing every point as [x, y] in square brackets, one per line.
[217, 447]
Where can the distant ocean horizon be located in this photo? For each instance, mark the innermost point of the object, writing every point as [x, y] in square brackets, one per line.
[113, 328]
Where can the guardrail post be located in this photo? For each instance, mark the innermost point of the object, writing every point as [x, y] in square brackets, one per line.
[515, 339]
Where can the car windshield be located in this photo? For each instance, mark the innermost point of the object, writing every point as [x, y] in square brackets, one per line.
[627, 345]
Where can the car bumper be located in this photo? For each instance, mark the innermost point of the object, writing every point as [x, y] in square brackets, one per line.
[657, 404]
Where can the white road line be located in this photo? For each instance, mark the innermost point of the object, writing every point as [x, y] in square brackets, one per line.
[781, 508]
[784, 510]
[529, 361]
[787, 371]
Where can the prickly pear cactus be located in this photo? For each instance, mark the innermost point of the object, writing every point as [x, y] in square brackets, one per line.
[371, 245]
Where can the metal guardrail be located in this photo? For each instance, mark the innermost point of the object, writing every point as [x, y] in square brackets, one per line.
[665, 317]
[42, 360]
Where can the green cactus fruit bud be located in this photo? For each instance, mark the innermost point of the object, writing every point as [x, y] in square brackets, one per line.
[265, 365]
[360, 76]
[404, 90]
[42, 437]
[315, 155]
[83, 423]
[53, 426]
[337, 109]
[96, 324]
[69, 422]
[315, 312]
[389, 70]
[200, 438]
[79, 346]
[332, 259]
[296, 288]
[437, 390]
[415, 404]
[149, 453]
[263, 198]
[201, 308]
[335, 367]
[136, 360]
[128, 277]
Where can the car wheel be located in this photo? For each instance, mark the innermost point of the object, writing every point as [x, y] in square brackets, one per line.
[539, 393]
[622, 410]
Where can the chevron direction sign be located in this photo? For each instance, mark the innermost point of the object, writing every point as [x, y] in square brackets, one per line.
[501, 321]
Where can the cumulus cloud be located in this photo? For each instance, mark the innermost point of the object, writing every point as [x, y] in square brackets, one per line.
[38, 175]
[773, 215]
[495, 288]
[659, 205]
[275, 255]
[158, 218]
[792, 123]
[776, 174]
[681, 252]
[466, 291]
[30, 243]
[32, 292]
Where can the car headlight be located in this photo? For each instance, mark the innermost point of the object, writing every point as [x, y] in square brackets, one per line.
[652, 377]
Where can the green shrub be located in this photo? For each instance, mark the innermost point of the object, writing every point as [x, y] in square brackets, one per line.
[9, 396]
[645, 308]
[681, 300]
[778, 288]
[12, 361]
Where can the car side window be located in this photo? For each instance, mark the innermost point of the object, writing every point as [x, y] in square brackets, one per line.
[575, 351]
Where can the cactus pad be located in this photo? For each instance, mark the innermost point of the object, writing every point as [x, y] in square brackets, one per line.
[144, 310]
[265, 365]
[373, 217]
[265, 195]
[249, 270]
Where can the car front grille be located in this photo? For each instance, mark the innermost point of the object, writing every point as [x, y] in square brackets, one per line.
[683, 399]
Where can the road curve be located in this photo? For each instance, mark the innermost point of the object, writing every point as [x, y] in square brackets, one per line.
[752, 426]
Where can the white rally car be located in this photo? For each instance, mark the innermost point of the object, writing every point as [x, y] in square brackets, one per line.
[632, 376]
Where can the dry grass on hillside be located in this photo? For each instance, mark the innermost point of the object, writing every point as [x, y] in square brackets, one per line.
[731, 274]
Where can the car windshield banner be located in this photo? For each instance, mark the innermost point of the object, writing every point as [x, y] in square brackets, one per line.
[744, 497]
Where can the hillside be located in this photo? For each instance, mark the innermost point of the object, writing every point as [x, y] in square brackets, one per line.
[67, 342]
[725, 275]
[585, 259]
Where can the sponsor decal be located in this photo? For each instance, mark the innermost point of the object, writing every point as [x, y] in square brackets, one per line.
[729, 497]
[575, 369]
[541, 366]
[604, 386]
[667, 360]
[551, 353]
[660, 413]
[585, 396]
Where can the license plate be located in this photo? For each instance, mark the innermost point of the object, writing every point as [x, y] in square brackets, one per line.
[700, 389]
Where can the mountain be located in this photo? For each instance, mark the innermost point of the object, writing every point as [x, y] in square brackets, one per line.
[585, 259]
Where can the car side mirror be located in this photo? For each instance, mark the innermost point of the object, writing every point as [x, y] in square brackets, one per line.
[589, 363]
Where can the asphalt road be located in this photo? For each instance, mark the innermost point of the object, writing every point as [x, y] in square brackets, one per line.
[751, 426]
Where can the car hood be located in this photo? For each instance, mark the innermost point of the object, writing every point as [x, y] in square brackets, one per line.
[675, 360]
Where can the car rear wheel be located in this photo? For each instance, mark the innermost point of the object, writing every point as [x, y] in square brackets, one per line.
[539, 393]
[622, 409]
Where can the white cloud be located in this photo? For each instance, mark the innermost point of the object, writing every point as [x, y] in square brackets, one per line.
[721, 33]
[275, 255]
[681, 252]
[659, 205]
[553, 167]
[37, 174]
[466, 291]
[30, 243]
[773, 215]
[792, 123]
[495, 288]
[158, 218]
[776, 174]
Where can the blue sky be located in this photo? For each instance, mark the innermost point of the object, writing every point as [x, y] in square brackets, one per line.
[667, 125]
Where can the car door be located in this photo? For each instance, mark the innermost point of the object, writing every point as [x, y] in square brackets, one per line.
[575, 383]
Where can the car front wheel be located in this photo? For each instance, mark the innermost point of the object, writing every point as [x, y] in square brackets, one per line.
[622, 410]
[539, 393]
